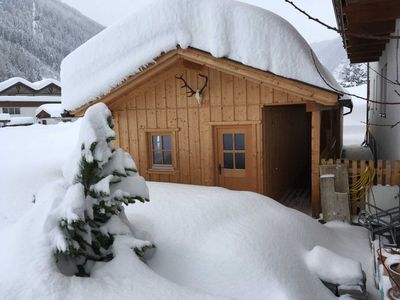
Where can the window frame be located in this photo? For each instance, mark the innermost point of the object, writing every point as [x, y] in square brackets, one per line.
[234, 151]
[160, 168]
[11, 110]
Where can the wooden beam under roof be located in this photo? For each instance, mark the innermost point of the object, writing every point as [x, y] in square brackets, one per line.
[365, 52]
[357, 48]
[378, 10]
[369, 17]
[363, 59]
[372, 27]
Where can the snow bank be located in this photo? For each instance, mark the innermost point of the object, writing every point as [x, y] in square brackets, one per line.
[239, 244]
[210, 241]
[241, 32]
[333, 268]
[28, 269]
[5, 117]
[38, 85]
[53, 109]
[31, 155]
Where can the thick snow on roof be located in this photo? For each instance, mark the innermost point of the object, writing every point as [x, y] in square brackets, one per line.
[53, 109]
[241, 32]
[15, 121]
[38, 98]
[5, 117]
[38, 85]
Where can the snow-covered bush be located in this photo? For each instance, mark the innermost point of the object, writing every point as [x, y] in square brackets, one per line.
[99, 180]
[354, 75]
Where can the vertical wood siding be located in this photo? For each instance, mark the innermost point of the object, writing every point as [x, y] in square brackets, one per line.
[161, 103]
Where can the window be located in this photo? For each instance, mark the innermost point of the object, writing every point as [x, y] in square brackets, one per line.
[234, 151]
[161, 151]
[12, 110]
[383, 92]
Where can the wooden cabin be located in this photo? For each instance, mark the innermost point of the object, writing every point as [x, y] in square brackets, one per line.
[252, 130]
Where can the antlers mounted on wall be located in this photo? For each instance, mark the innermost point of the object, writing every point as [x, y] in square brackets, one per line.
[190, 92]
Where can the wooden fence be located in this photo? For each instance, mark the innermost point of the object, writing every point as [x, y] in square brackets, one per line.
[386, 173]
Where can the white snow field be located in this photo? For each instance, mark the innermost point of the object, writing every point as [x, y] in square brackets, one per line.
[212, 243]
[244, 33]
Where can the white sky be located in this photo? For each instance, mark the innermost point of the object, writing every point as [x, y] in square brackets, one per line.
[106, 12]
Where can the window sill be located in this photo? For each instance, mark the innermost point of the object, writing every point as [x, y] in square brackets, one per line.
[162, 171]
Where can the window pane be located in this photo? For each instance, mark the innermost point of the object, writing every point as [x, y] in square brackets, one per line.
[167, 158]
[228, 141]
[5, 110]
[156, 140]
[17, 110]
[157, 158]
[240, 161]
[228, 160]
[166, 142]
[239, 141]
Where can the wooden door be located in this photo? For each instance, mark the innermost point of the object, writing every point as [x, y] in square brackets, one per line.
[235, 158]
[287, 152]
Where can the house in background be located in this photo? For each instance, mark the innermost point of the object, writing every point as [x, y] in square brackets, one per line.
[243, 107]
[378, 18]
[20, 98]
[52, 113]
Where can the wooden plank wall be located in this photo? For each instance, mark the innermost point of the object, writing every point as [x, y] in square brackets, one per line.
[161, 103]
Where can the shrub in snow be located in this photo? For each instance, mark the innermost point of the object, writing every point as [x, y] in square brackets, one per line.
[99, 181]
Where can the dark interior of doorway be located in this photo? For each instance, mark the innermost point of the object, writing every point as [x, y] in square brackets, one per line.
[287, 153]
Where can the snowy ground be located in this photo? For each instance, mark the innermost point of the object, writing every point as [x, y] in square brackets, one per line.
[211, 243]
[354, 129]
[30, 157]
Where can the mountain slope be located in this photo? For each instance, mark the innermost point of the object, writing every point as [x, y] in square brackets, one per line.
[35, 35]
[332, 55]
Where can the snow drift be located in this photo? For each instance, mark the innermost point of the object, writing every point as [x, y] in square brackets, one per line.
[212, 243]
[225, 28]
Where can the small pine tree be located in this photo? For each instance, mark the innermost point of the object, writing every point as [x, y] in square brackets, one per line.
[92, 207]
[354, 75]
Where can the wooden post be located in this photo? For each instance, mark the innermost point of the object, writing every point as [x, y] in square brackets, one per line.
[315, 161]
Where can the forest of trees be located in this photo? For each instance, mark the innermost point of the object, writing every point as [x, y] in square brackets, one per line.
[35, 35]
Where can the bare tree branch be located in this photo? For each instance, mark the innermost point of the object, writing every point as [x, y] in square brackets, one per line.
[360, 35]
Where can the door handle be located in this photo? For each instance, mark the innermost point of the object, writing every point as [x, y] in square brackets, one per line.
[219, 169]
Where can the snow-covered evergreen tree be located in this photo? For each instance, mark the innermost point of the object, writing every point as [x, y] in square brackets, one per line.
[99, 181]
[354, 75]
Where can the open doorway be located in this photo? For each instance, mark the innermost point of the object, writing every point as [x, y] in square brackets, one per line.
[287, 155]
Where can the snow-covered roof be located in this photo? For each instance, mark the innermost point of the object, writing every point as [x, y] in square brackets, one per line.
[251, 35]
[53, 109]
[38, 98]
[15, 121]
[38, 85]
[4, 117]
